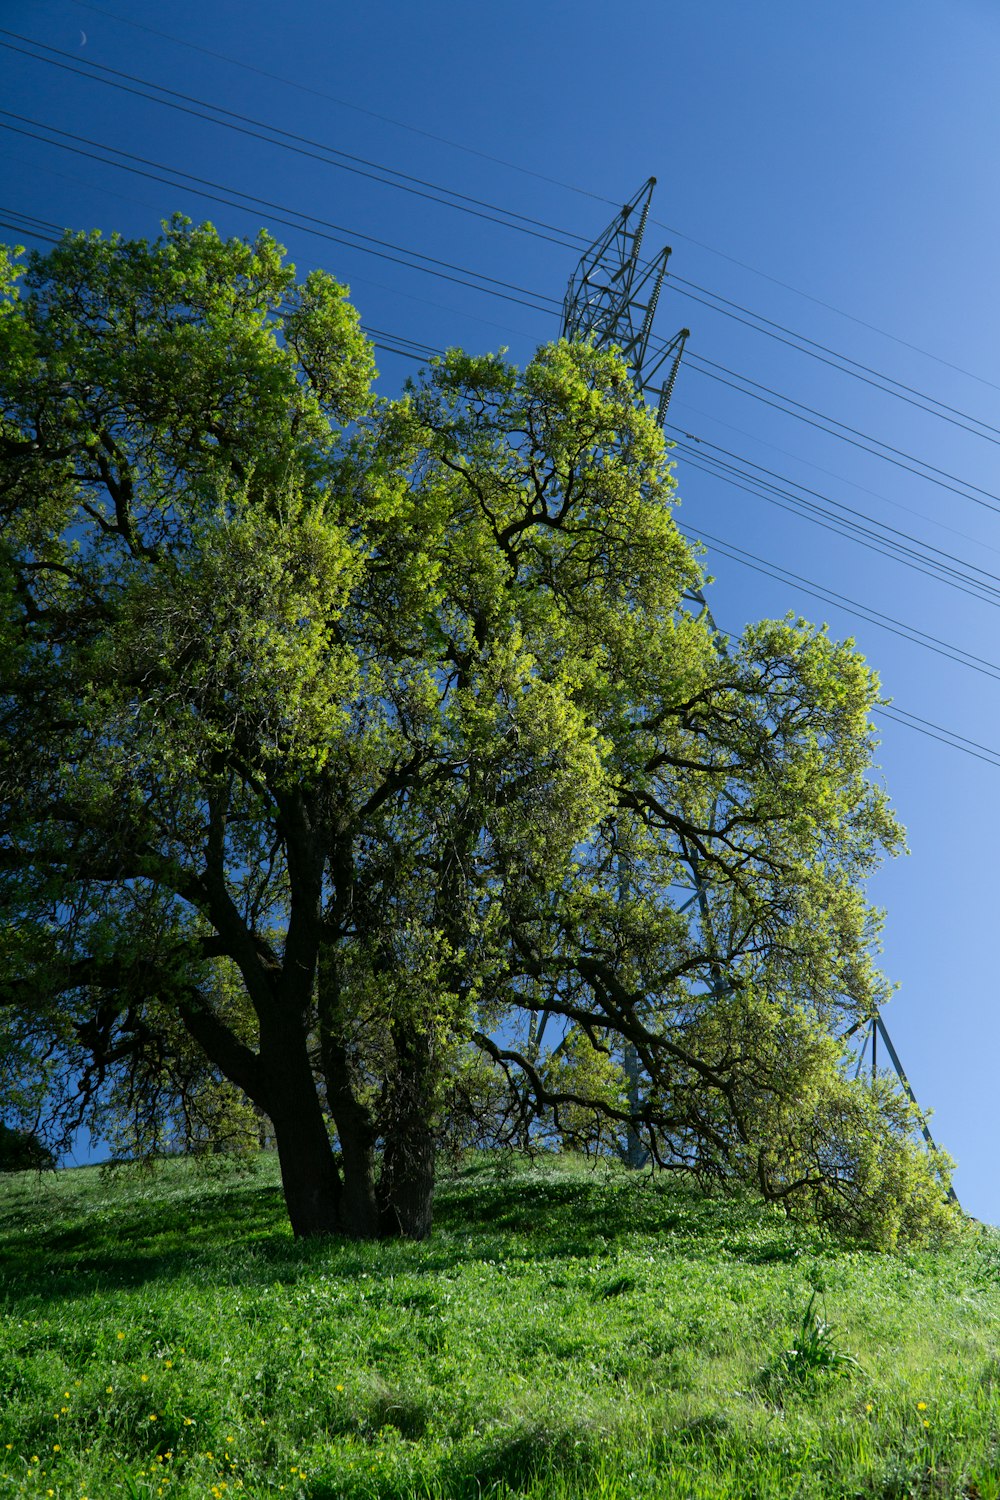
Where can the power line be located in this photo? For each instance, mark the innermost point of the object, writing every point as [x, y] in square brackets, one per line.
[830, 307]
[302, 145]
[508, 218]
[49, 239]
[852, 606]
[939, 732]
[525, 172]
[753, 487]
[836, 360]
[851, 435]
[901, 546]
[345, 103]
[213, 190]
[832, 474]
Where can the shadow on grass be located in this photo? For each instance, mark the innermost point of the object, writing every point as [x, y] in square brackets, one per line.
[534, 1457]
[96, 1234]
[572, 1214]
[128, 1243]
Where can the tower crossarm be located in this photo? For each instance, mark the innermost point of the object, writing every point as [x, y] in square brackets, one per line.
[599, 298]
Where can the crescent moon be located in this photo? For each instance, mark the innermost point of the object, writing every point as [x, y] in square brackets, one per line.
[83, 39]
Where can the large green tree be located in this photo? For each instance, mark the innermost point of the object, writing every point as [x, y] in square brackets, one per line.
[365, 761]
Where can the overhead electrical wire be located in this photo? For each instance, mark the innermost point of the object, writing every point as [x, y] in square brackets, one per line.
[842, 601]
[895, 504]
[345, 103]
[509, 218]
[460, 275]
[49, 233]
[890, 541]
[847, 434]
[938, 732]
[313, 224]
[464, 147]
[836, 360]
[288, 140]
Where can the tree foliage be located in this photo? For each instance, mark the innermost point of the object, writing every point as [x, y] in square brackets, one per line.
[367, 761]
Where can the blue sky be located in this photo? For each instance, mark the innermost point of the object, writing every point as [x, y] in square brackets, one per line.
[829, 167]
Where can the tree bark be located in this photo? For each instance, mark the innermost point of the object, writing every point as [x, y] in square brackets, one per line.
[406, 1186]
[309, 1177]
[356, 1134]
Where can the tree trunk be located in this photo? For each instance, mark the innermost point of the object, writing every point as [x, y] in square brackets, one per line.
[309, 1177]
[356, 1134]
[280, 1083]
[406, 1186]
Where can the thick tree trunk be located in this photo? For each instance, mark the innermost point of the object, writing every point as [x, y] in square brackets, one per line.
[406, 1186]
[357, 1143]
[309, 1177]
[280, 1083]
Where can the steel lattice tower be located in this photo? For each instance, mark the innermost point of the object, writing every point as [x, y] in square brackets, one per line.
[612, 298]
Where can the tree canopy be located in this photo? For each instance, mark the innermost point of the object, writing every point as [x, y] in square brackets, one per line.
[367, 771]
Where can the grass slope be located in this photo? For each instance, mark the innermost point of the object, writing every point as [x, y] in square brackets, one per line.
[566, 1332]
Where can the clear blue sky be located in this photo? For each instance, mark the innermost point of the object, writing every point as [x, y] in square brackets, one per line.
[830, 167]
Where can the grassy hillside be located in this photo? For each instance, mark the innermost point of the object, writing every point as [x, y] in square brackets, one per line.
[566, 1332]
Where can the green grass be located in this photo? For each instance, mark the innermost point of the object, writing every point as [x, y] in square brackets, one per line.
[567, 1332]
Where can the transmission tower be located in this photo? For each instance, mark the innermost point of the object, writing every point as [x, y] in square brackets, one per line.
[612, 298]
